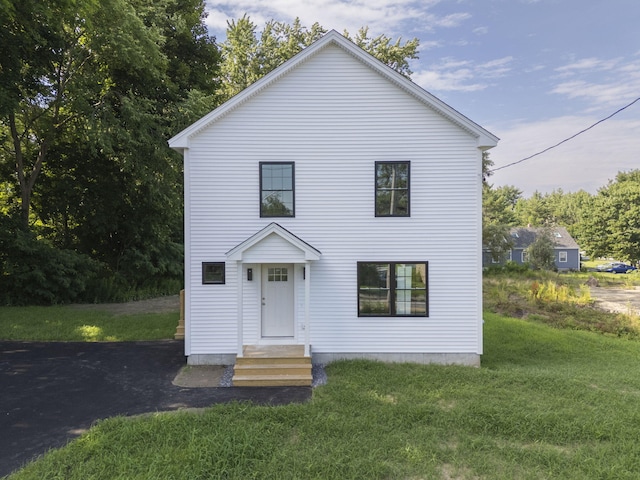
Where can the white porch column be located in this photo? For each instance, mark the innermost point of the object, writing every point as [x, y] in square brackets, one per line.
[239, 282]
[307, 308]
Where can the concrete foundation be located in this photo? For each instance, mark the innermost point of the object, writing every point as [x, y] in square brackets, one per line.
[467, 359]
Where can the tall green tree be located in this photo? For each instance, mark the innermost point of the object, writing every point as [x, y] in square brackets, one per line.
[497, 213]
[612, 227]
[84, 151]
[534, 211]
[541, 253]
[247, 55]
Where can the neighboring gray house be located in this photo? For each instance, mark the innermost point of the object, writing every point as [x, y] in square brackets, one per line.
[567, 252]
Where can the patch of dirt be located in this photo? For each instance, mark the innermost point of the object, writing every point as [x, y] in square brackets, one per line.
[198, 376]
[617, 300]
[168, 304]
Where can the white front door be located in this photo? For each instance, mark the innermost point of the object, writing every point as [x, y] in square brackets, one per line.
[277, 300]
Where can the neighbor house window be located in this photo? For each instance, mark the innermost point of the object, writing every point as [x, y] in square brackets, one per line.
[510, 255]
[276, 189]
[524, 257]
[392, 289]
[212, 272]
[392, 189]
[562, 257]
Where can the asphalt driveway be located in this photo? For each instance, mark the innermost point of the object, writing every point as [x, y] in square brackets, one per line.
[52, 392]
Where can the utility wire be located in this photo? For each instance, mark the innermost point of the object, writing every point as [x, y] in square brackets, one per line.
[566, 139]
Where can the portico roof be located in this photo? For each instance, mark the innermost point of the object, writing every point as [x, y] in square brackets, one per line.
[273, 243]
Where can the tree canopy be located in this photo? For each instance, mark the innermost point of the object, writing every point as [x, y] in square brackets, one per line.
[87, 99]
[612, 227]
[248, 55]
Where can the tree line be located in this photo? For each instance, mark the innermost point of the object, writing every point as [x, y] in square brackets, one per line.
[90, 92]
[605, 224]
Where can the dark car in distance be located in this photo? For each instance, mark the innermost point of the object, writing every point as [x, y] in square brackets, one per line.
[615, 268]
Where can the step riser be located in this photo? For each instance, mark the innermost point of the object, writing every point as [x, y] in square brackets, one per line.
[272, 371]
[271, 361]
[271, 383]
[272, 367]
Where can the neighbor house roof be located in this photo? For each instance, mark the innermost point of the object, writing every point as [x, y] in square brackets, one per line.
[522, 237]
[485, 139]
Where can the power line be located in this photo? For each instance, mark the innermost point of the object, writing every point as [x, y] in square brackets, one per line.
[566, 139]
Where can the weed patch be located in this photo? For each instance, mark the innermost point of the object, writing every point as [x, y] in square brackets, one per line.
[558, 300]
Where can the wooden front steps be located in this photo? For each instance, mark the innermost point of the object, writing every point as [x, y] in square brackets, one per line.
[272, 366]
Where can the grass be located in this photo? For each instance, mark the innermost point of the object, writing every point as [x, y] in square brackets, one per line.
[559, 300]
[547, 403]
[556, 397]
[48, 324]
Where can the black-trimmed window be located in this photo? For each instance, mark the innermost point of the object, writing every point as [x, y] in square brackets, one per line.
[277, 192]
[393, 289]
[392, 189]
[213, 273]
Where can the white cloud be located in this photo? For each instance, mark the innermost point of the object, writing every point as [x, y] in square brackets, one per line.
[605, 84]
[445, 81]
[588, 64]
[381, 16]
[461, 75]
[586, 162]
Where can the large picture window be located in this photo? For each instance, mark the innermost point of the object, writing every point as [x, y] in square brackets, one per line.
[277, 189]
[393, 289]
[392, 189]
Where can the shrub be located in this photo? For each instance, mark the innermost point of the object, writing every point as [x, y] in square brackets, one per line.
[33, 272]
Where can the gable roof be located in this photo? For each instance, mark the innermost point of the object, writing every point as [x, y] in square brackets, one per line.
[522, 237]
[307, 251]
[484, 138]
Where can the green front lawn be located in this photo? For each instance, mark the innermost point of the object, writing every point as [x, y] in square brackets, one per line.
[547, 403]
[69, 324]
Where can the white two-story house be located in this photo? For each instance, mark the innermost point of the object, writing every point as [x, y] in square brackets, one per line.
[335, 205]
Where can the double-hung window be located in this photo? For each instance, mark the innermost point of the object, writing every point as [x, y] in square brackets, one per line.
[392, 189]
[562, 257]
[277, 191]
[393, 289]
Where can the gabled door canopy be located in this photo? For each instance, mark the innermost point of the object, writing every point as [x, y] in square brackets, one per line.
[300, 249]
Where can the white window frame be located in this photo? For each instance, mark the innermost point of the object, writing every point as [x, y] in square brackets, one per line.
[562, 257]
[523, 256]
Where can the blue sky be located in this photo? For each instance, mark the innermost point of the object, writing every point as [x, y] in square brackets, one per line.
[533, 72]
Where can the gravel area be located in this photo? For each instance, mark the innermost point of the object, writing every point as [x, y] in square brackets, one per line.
[617, 299]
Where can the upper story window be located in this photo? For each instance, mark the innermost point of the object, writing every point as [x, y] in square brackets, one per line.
[277, 193]
[392, 189]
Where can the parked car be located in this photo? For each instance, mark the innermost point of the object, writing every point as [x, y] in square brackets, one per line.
[615, 268]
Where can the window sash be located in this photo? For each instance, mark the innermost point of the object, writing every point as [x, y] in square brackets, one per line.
[277, 189]
[392, 182]
[398, 289]
[213, 273]
[562, 257]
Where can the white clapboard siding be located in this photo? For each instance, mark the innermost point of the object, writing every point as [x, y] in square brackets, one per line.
[335, 117]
